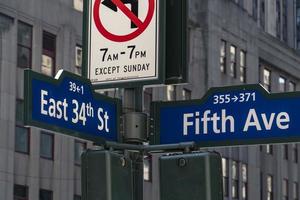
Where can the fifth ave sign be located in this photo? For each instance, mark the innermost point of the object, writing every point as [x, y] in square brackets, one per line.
[238, 115]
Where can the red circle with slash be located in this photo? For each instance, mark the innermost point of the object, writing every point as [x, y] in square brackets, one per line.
[141, 25]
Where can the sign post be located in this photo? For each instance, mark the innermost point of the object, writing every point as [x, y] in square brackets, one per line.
[228, 116]
[68, 104]
[122, 45]
[126, 45]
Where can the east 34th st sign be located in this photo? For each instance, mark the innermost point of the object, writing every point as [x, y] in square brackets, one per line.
[238, 115]
[69, 105]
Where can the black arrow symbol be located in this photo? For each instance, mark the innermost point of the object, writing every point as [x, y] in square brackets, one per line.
[110, 4]
[134, 7]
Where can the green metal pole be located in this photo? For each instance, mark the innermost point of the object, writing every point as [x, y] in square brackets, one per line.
[136, 156]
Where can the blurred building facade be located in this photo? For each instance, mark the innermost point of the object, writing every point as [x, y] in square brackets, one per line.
[231, 42]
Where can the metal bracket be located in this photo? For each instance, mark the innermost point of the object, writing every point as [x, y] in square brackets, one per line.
[135, 127]
[185, 146]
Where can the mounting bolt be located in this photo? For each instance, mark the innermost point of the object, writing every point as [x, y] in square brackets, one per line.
[135, 127]
[182, 162]
[123, 161]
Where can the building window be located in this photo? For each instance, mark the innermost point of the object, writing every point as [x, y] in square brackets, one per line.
[171, 93]
[24, 45]
[20, 111]
[254, 9]
[235, 180]
[77, 197]
[285, 189]
[186, 94]
[298, 23]
[78, 5]
[79, 148]
[281, 84]
[295, 191]
[292, 86]
[285, 151]
[223, 56]
[46, 195]
[232, 61]
[278, 19]
[284, 20]
[47, 145]
[147, 99]
[78, 60]
[48, 56]
[22, 134]
[243, 66]
[269, 149]
[295, 153]
[298, 33]
[225, 173]
[244, 181]
[269, 187]
[22, 139]
[262, 14]
[298, 14]
[260, 147]
[267, 79]
[20, 192]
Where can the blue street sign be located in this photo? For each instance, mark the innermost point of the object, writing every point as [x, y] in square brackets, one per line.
[68, 104]
[239, 115]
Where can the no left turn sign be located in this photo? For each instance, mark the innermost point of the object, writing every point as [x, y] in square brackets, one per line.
[133, 16]
[122, 42]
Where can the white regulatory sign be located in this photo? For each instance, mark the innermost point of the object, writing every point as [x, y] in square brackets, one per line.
[122, 41]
